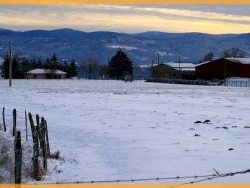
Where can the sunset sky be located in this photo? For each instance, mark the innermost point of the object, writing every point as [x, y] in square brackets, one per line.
[214, 19]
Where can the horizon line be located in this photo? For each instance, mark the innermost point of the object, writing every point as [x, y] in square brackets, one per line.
[148, 31]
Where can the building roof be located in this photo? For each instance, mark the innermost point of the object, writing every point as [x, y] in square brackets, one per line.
[236, 60]
[182, 66]
[42, 71]
[240, 60]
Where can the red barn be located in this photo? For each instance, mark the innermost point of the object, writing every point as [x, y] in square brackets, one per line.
[223, 68]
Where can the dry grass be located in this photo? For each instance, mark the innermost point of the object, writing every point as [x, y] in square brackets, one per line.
[6, 163]
[28, 172]
[56, 155]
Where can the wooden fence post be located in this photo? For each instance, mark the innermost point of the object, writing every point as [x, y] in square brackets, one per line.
[43, 142]
[26, 126]
[32, 125]
[39, 131]
[35, 148]
[14, 122]
[37, 119]
[4, 125]
[47, 138]
[18, 158]
[35, 154]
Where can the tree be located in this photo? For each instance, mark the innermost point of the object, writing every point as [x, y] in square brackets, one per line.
[16, 67]
[208, 57]
[72, 68]
[5, 70]
[51, 66]
[103, 71]
[25, 66]
[16, 73]
[120, 65]
[90, 65]
[233, 52]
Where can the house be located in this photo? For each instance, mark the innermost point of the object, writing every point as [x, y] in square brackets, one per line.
[174, 70]
[223, 68]
[43, 74]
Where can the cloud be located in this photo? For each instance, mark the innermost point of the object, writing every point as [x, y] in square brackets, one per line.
[128, 18]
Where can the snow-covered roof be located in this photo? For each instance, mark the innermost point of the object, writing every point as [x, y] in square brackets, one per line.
[240, 60]
[237, 60]
[42, 71]
[205, 62]
[182, 66]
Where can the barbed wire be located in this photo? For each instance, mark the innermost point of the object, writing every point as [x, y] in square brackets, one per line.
[204, 178]
[217, 175]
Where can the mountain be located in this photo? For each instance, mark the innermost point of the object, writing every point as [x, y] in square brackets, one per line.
[142, 48]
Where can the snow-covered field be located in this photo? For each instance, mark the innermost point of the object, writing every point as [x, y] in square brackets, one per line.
[112, 130]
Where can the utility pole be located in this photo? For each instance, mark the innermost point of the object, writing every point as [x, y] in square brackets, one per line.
[225, 71]
[10, 64]
[180, 67]
[158, 58]
[152, 69]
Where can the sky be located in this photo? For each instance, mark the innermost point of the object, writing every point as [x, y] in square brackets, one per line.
[213, 19]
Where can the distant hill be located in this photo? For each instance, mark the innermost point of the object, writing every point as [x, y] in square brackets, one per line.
[142, 48]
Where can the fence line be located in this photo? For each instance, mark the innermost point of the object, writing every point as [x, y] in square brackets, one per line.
[13, 169]
[198, 179]
[238, 83]
[184, 81]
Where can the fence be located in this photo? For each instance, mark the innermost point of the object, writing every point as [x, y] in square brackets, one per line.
[238, 83]
[15, 160]
[183, 81]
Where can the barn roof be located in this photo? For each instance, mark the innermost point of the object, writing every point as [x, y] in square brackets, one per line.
[236, 60]
[42, 71]
[240, 60]
[182, 66]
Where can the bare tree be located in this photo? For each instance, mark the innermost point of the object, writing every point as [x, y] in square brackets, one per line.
[50, 67]
[90, 65]
[103, 71]
[233, 52]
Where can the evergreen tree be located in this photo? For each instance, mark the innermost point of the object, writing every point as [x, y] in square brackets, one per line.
[54, 58]
[25, 66]
[16, 73]
[120, 65]
[72, 68]
[208, 57]
[5, 70]
[50, 66]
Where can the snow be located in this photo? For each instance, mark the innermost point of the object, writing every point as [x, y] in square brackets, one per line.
[241, 60]
[112, 130]
[42, 71]
[183, 66]
[122, 46]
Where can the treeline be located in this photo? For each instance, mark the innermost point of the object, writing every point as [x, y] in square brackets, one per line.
[118, 67]
[21, 65]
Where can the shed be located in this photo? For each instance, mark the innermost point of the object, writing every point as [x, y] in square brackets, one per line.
[174, 70]
[42, 74]
[223, 68]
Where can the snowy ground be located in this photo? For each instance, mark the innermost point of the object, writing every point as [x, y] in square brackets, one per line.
[109, 130]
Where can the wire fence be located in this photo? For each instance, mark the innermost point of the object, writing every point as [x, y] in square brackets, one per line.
[237, 83]
[15, 159]
[195, 179]
[184, 81]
